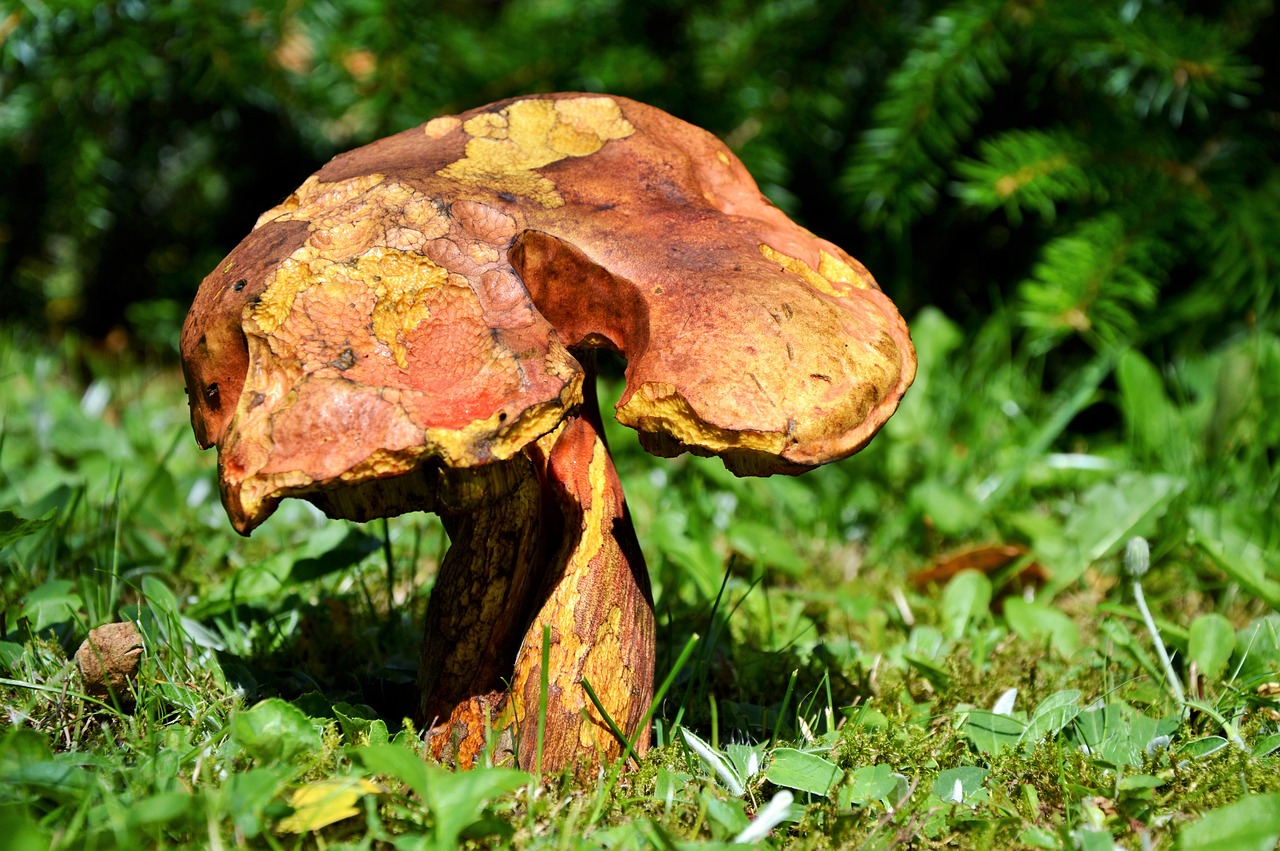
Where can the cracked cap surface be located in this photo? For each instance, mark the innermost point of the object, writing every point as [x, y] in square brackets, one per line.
[412, 305]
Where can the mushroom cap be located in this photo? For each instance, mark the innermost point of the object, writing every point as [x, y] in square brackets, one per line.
[408, 311]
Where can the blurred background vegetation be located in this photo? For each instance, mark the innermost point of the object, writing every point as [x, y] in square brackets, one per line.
[1106, 171]
[1075, 203]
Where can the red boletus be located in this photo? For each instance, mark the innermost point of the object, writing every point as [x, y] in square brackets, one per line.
[412, 329]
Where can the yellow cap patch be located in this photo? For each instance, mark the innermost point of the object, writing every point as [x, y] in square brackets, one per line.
[833, 276]
[506, 146]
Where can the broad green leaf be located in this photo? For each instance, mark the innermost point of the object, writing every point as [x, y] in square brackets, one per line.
[1107, 516]
[1266, 745]
[965, 599]
[1203, 746]
[716, 761]
[927, 668]
[670, 784]
[939, 337]
[866, 716]
[761, 543]
[967, 778]
[10, 653]
[1250, 823]
[456, 801]
[1054, 712]
[23, 746]
[727, 814]
[991, 732]
[1149, 417]
[55, 778]
[1210, 644]
[399, 762]
[1257, 653]
[20, 834]
[747, 760]
[324, 802]
[867, 784]
[14, 528]
[51, 603]
[249, 793]
[159, 809]
[275, 731]
[804, 772]
[361, 725]
[159, 596]
[1240, 558]
[1135, 782]
[1037, 623]
[1088, 839]
[200, 635]
[348, 552]
[1120, 735]
[1039, 837]
[952, 511]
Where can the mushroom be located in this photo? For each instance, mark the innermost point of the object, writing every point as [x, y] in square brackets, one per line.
[412, 329]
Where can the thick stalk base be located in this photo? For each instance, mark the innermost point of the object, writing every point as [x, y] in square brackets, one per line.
[557, 556]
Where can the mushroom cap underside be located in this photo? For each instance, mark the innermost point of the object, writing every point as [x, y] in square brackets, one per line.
[412, 304]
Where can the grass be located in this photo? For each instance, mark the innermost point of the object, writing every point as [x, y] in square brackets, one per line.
[830, 700]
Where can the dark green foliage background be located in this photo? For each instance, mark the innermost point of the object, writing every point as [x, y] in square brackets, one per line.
[1107, 170]
[1075, 203]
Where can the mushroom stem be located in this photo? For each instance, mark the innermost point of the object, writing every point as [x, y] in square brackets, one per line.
[598, 606]
[482, 599]
[560, 551]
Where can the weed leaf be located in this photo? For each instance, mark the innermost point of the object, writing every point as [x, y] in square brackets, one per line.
[1054, 713]
[457, 801]
[21, 834]
[967, 779]
[323, 802]
[992, 732]
[804, 772]
[1267, 745]
[52, 603]
[249, 793]
[1040, 624]
[719, 766]
[761, 543]
[1250, 823]
[14, 528]
[159, 809]
[398, 762]
[965, 600]
[869, 783]
[275, 731]
[348, 552]
[1210, 644]
[1202, 747]
[1233, 551]
[159, 597]
[1109, 514]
